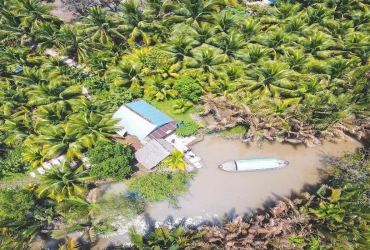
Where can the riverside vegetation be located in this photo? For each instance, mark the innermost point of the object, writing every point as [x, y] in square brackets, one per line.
[298, 72]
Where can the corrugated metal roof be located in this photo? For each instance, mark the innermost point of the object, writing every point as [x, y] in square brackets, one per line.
[153, 153]
[149, 112]
[134, 123]
[163, 130]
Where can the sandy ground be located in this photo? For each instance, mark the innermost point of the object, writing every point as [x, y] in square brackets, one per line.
[62, 12]
[216, 196]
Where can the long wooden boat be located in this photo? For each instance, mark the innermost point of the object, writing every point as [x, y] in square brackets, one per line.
[253, 164]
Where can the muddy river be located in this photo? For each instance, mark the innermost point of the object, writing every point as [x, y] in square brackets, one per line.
[214, 193]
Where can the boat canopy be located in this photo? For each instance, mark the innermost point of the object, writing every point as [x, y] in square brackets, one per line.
[257, 164]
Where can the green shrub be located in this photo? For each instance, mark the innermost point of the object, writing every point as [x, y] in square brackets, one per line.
[188, 128]
[160, 186]
[237, 130]
[15, 204]
[155, 58]
[12, 162]
[110, 160]
[188, 88]
[95, 84]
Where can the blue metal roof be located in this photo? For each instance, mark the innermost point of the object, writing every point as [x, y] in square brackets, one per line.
[134, 122]
[149, 112]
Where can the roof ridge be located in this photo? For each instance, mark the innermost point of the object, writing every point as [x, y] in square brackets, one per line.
[139, 114]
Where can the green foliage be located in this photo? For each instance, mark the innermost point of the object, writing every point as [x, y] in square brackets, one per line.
[181, 106]
[160, 186]
[169, 108]
[188, 128]
[15, 204]
[110, 160]
[62, 182]
[155, 58]
[163, 238]
[104, 212]
[188, 88]
[175, 160]
[336, 218]
[12, 161]
[237, 130]
[95, 84]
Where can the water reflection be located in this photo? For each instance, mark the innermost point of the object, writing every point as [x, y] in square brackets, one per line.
[214, 192]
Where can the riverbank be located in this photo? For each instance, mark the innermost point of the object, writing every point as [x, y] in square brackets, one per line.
[215, 195]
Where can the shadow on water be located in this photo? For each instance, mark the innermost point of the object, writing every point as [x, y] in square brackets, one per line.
[214, 191]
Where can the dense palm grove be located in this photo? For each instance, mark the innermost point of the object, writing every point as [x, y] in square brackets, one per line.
[298, 72]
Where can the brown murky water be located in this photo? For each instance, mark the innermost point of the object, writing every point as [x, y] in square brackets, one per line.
[214, 192]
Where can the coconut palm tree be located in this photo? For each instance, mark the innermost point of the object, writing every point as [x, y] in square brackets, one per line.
[318, 13]
[175, 160]
[64, 181]
[45, 33]
[11, 31]
[32, 11]
[179, 46]
[100, 26]
[156, 86]
[31, 77]
[286, 10]
[23, 232]
[223, 87]
[357, 44]
[317, 44]
[71, 42]
[90, 128]
[59, 95]
[164, 238]
[225, 20]
[296, 59]
[192, 11]
[273, 79]
[70, 244]
[34, 154]
[13, 99]
[126, 73]
[51, 114]
[249, 27]
[14, 57]
[16, 130]
[295, 24]
[206, 59]
[57, 140]
[204, 31]
[277, 40]
[138, 25]
[255, 53]
[232, 44]
[181, 106]
[361, 20]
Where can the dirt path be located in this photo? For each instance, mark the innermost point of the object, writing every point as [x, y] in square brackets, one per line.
[62, 12]
[262, 3]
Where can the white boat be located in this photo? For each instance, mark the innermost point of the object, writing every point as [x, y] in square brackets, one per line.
[253, 164]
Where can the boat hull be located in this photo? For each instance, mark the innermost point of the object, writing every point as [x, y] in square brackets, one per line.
[253, 165]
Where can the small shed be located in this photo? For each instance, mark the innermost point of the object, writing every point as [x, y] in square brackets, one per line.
[153, 153]
[144, 121]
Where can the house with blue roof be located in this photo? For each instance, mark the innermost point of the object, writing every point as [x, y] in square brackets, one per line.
[144, 121]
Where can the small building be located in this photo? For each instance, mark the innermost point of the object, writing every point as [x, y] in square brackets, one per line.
[153, 153]
[144, 121]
